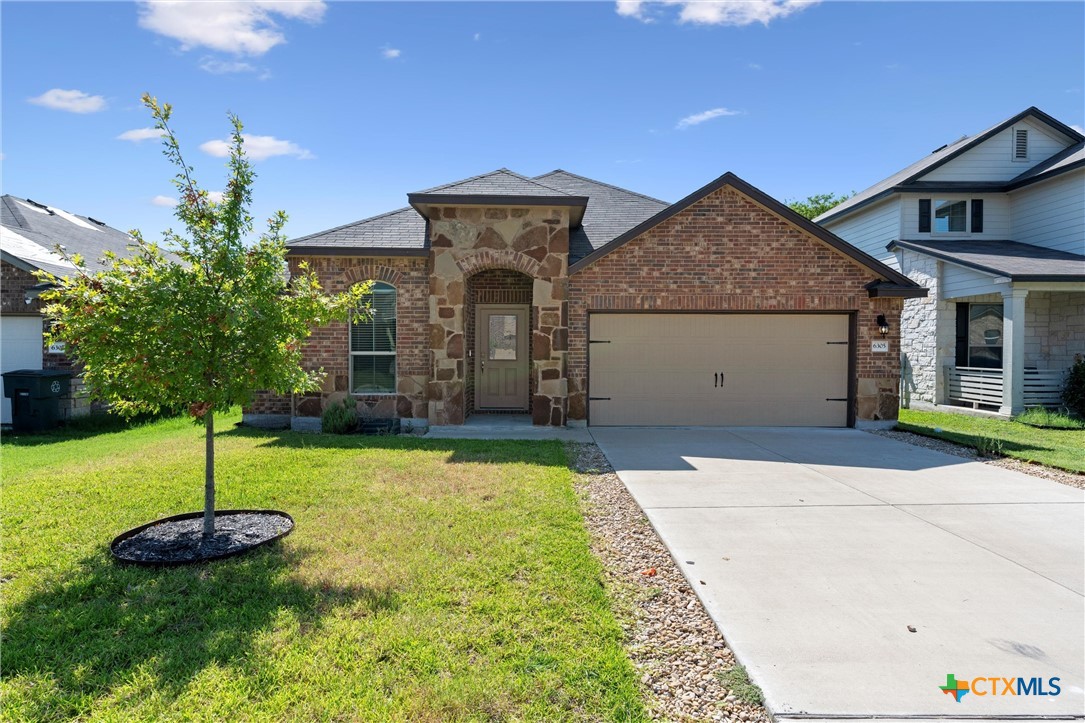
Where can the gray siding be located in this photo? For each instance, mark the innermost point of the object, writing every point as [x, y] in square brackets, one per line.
[1051, 213]
[993, 160]
[871, 229]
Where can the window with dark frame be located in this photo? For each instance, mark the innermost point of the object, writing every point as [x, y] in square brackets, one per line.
[373, 344]
[979, 335]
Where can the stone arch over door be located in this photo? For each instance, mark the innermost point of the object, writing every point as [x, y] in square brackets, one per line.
[533, 242]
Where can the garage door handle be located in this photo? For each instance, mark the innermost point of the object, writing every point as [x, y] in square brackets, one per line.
[716, 377]
[836, 399]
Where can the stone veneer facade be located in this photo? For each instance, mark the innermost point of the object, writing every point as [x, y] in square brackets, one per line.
[725, 252]
[465, 241]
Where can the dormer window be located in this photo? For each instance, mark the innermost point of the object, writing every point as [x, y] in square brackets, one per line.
[1020, 144]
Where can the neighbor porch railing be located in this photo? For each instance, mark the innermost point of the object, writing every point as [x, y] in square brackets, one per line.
[983, 387]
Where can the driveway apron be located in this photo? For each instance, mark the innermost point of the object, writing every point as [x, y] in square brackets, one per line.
[818, 552]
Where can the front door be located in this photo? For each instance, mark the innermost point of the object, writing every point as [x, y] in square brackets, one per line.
[501, 357]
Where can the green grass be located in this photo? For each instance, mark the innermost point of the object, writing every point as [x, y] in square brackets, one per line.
[425, 580]
[1062, 448]
[737, 680]
[1046, 418]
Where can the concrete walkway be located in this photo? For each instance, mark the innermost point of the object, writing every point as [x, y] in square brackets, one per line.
[817, 551]
[506, 426]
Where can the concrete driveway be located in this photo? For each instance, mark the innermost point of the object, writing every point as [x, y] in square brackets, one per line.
[820, 549]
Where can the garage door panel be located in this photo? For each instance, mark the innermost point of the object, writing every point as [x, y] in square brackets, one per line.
[21, 348]
[777, 369]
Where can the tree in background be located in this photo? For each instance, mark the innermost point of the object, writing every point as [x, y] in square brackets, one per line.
[205, 325]
[818, 204]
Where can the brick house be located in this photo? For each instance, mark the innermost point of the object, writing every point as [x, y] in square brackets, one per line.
[576, 302]
[29, 234]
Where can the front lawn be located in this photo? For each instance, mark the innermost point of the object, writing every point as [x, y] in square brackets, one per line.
[425, 580]
[1062, 448]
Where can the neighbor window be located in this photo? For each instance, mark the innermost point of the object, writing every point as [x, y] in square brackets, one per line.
[373, 344]
[984, 335]
[950, 215]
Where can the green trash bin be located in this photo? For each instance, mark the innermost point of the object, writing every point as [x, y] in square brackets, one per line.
[35, 396]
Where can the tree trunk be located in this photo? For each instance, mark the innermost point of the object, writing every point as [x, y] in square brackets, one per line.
[209, 476]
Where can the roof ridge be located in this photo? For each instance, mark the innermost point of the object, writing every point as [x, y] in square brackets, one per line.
[348, 225]
[15, 210]
[514, 174]
[604, 183]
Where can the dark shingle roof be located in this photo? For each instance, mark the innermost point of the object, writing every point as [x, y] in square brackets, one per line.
[400, 230]
[31, 232]
[501, 182]
[1018, 261]
[941, 155]
[1059, 162]
[611, 210]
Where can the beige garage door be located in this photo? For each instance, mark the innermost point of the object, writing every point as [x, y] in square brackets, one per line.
[719, 369]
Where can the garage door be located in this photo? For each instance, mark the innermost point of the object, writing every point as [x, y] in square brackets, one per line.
[719, 369]
[20, 348]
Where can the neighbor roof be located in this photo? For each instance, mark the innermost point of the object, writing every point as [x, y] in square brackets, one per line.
[1012, 259]
[901, 179]
[609, 211]
[31, 231]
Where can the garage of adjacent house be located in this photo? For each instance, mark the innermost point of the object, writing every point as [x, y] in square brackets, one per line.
[719, 369]
[21, 349]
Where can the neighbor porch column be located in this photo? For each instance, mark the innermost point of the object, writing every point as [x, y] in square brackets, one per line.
[1013, 351]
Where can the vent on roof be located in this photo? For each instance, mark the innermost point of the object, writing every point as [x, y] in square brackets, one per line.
[42, 206]
[94, 220]
[1020, 144]
[944, 145]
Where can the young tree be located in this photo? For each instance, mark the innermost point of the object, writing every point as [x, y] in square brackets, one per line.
[200, 327]
[817, 204]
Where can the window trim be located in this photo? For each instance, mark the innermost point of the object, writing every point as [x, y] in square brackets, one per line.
[951, 198]
[394, 353]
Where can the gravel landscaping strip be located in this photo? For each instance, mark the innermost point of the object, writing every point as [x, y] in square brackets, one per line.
[959, 450]
[679, 652]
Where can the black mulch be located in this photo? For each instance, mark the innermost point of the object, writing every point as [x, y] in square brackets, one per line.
[173, 542]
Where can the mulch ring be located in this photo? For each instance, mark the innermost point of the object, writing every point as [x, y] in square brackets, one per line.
[178, 540]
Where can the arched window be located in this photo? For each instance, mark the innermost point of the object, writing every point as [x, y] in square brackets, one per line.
[373, 344]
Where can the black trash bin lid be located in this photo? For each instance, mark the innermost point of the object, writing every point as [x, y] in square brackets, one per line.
[60, 373]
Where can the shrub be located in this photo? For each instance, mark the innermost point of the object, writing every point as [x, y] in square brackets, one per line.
[340, 417]
[1073, 394]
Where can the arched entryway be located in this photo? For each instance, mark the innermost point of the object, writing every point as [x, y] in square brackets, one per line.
[498, 324]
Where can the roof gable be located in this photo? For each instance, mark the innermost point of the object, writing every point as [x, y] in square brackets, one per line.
[925, 167]
[896, 283]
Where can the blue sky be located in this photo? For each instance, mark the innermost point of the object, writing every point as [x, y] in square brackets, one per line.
[353, 105]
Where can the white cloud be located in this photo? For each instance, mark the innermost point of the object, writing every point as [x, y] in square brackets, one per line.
[753, 66]
[241, 27]
[72, 101]
[164, 201]
[478, 37]
[221, 67]
[137, 135]
[391, 53]
[1075, 126]
[216, 196]
[258, 148]
[715, 12]
[697, 118]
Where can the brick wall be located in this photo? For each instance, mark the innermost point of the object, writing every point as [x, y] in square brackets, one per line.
[13, 285]
[725, 252]
[329, 346]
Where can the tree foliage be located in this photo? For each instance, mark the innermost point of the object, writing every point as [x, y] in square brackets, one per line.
[205, 324]
[817, 204]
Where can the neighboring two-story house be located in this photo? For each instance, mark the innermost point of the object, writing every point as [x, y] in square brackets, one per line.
[994, 226]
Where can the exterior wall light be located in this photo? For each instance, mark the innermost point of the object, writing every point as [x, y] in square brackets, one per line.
[883, 325]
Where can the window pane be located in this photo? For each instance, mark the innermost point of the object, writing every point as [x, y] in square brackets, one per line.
[502, 345]
[950, 216]
[373, 374]
[379, 332]
[985, 335]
